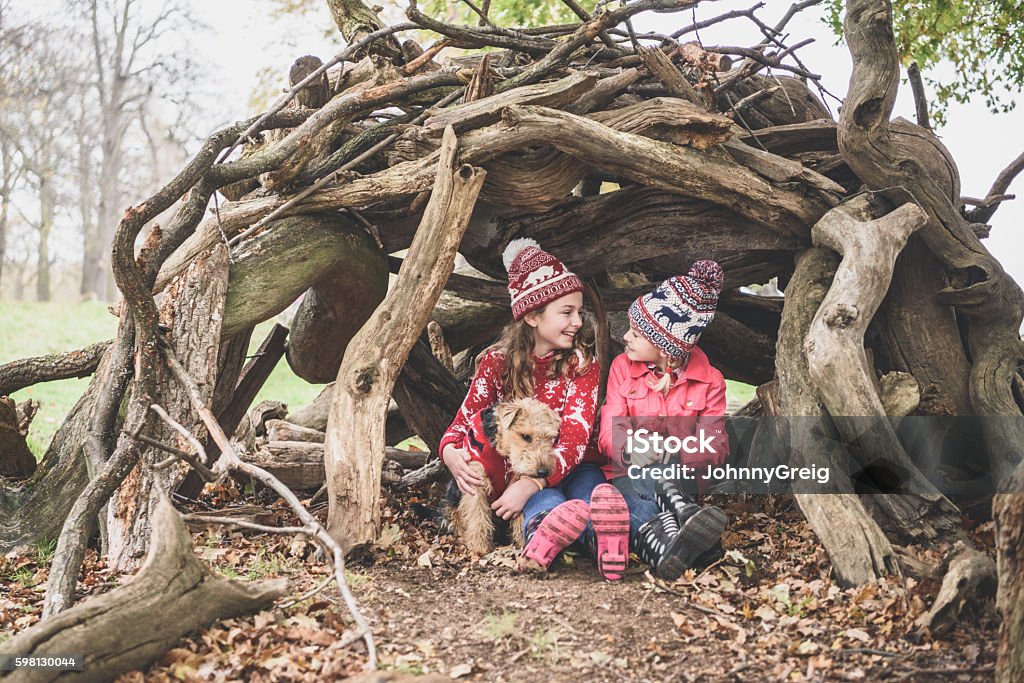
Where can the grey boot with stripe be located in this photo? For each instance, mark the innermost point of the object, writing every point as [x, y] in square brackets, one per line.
[707, 521]
[670, 549]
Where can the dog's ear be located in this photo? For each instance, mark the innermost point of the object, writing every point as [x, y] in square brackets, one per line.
[506, 414]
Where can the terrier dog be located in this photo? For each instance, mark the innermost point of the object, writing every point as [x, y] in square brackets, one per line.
[524, 433]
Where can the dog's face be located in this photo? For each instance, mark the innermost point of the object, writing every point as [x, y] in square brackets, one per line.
[527, 431]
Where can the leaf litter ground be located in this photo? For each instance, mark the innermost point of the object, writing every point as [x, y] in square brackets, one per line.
[768, 611]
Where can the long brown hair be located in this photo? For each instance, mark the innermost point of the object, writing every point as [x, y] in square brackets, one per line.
[516, 345]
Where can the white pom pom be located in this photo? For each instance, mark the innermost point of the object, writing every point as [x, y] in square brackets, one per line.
[513, 249]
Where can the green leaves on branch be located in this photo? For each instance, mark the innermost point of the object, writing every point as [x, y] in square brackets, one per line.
[981, 42]
[508, 13]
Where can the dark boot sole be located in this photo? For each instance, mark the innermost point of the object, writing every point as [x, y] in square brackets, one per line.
[700, 533]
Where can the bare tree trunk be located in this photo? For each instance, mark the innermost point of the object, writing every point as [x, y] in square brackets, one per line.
[195, 305]
[901, 159]
[92, 255]
[355, 429]
[1008, 510]
[47, 211]
[6, 188]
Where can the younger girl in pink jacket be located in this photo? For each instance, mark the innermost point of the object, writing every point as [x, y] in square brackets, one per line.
[664, 383]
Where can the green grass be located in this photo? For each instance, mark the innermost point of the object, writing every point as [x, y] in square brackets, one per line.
[738, 390]
[38, 329]
[35, 329]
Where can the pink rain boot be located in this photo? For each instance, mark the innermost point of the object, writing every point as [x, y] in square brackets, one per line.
[610, 517]
[559, 528]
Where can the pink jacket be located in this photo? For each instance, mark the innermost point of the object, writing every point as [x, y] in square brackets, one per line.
[698, 392]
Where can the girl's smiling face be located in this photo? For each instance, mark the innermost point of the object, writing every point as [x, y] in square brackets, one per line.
[555, 326]
[641, 350]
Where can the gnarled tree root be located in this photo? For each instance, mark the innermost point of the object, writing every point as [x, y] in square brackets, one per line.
[128, 628]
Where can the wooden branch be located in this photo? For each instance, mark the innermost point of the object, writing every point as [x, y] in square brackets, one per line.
[665, 71]
[834, 345]
[429, 473]
[920, 99]
[669, 167]
[856, 545]
[355, 429]
[135, 623]
[473, 37]
[283, 101]
[488, 110]
[17, 375]
[231, 461]
[997, 193]
[16, 460]
[732, 14]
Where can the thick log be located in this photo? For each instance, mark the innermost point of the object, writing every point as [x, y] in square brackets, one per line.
[337, 305]
[17, 375]
[1008, 510]
[299, 465]
[16, 460]
[839, 367]
[271, 270]
[193, 309]
[355, 429]
[920, 336]
[467, 324]
[131, 626]
[819, 135]
[858, 548]
[428, 395]
[618, 228]
[282, 430]
[793, 103]
[979, 287]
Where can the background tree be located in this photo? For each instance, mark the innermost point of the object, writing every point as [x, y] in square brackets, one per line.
[129, 70]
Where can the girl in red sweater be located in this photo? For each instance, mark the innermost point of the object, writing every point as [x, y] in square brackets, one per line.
[663, 383]
[548, 353]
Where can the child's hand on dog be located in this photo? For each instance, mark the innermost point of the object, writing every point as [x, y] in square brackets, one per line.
[457, 461]
[512, 502]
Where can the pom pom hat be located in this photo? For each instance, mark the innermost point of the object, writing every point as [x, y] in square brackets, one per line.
[674, 315]
[535, 277]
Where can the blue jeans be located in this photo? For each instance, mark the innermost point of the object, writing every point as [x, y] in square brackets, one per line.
[640, 498]
[578, 484]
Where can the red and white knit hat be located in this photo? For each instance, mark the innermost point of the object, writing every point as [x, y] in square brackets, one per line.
[535, 277]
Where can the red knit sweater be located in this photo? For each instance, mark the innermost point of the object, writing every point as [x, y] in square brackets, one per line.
[573, 398]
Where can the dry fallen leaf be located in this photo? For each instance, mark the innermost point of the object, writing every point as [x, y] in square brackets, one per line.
[460, 670]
